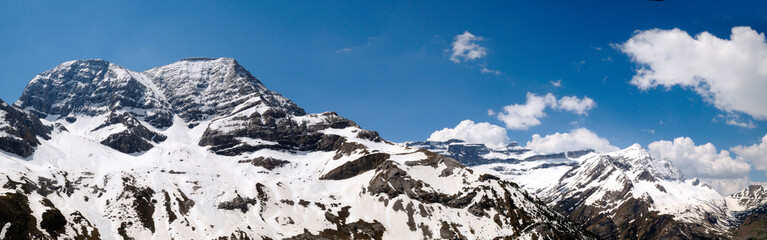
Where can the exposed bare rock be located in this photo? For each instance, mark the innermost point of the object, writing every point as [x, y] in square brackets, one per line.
[356, 167]
[19, 130]
[266, 162]
[135, 138]
[243, 204]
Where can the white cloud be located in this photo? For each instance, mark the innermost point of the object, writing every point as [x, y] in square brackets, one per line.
[490, 112]
[730, 74]
[701, 161]
[465, 48]
[575, 105]
[755, 154]
[485, 133]
[558, 83]
[523, 116]
[576, 139]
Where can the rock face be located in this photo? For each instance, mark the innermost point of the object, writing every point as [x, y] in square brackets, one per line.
[200, 88]
[134, 138]
[19, 130]
[200, 149]
[92, 87]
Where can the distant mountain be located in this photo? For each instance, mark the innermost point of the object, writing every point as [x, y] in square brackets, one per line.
[533, 171]
[751, 197]
[626, 194]
[750, 210]
[200, 149]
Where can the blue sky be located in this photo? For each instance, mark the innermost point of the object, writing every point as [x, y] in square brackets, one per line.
[387, 65]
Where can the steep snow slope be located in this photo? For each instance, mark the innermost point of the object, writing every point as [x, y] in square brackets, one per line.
[249, 165]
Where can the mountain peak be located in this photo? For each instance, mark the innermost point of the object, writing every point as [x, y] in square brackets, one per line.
[91, 86]
[200, 88]
[194, 88]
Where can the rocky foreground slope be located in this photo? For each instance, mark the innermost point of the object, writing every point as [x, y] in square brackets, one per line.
[200, 149]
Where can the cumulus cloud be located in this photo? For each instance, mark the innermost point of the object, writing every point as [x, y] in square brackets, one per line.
[730, 74]
[485, 133]
[701, 161]
[755, 154]
[576, 139]
[523, 116]
[465, 48]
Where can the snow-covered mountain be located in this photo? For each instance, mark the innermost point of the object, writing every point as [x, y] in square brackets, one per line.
[533, 171]
[751, 197]
[628, 193]
[200, 149]
[625, 194]
[750, 211]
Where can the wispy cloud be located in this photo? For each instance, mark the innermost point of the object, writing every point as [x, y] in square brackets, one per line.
[343, 50]
[490, 71]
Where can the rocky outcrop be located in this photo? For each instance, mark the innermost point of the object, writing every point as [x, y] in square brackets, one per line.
[134, 138]
[276, 130]
[356, 167]
[266, 162]
[19, 130]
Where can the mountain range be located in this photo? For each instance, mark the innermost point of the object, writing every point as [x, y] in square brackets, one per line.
[201, 149]
[626, 194]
